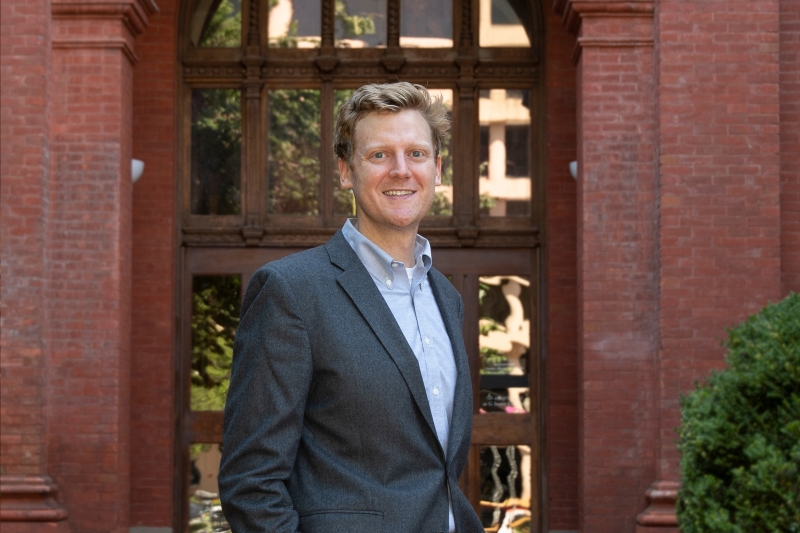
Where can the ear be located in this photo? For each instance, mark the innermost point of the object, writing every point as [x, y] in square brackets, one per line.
[438, 170]
[345, 179]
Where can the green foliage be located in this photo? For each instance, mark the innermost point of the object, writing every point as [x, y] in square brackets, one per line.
[353, 25]
[215, 316]
[224, 30]
[486, 203]
[740, 434]
[492, 361]
[441, 204]
[216, 151]
[294, 143]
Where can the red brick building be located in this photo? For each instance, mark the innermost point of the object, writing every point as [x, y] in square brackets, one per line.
[684, 120]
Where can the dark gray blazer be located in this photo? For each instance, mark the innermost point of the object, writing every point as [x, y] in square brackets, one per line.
[327, 425]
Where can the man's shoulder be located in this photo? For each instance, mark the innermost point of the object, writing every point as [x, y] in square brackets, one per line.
[311, 262]
[298, 264]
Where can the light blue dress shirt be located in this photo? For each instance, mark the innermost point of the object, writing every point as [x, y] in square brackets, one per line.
[408, 294]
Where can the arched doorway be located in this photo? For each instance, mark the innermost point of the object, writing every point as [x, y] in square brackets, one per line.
[259, 84]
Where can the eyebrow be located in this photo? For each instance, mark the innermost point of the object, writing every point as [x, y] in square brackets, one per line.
[414, 146]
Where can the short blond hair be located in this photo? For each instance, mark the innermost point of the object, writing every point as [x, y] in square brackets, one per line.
[391, 98]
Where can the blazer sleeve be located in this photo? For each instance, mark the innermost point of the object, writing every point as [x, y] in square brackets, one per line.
[270, 378]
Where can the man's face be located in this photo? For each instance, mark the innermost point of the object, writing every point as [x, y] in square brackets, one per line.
[393, 172]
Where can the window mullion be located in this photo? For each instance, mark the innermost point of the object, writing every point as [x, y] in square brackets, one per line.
[253, 225]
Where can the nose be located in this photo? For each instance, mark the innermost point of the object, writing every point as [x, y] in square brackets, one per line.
[400, 167]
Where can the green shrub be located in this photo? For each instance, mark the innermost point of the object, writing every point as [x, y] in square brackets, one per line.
[740, 432]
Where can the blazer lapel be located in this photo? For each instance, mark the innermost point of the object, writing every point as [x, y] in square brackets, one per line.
[358, 284]
[461, 422]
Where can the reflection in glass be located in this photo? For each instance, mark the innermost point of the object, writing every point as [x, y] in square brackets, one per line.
[504, 152]
[506, 488]
[205, 511]
[217, 23]
[344, 202]
[360, 23]
[215, 317]
[426, 24]
[505, 324]
[443, 201]
[294, 148]
[294, 23]
[501, 24]
[216, 151]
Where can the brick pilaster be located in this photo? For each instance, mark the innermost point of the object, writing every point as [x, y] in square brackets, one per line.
[88, 296]
[26, 492]
[617, 260]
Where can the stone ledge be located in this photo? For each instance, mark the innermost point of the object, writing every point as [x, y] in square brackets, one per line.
[660, 515]
[29, 499]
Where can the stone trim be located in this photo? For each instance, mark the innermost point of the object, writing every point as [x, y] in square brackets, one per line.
[662, 496]
[133, 15]
[572, 11]
[29, 499]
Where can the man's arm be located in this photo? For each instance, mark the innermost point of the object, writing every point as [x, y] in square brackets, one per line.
[270, 378]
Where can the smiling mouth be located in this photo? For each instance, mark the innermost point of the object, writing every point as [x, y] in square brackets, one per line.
[398, 193]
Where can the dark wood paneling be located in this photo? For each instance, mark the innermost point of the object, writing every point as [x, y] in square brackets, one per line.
[502, 429]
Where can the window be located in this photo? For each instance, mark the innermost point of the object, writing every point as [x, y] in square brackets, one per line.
[260, 82]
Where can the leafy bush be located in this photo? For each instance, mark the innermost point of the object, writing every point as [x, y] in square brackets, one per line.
[740, 433]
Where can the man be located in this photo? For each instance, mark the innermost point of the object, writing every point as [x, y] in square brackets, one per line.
[350, 405]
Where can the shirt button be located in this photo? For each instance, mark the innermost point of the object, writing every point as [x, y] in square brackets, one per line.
[395, 265]
[388, 282]
[427, 341]
[436, 391]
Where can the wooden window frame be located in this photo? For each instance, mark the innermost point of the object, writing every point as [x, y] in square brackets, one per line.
[238, 244]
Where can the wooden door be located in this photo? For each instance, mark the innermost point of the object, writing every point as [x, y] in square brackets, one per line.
[260, 83]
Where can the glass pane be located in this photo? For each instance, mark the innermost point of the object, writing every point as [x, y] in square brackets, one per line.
[217, 23]
[360, 23]
[344, 202]
[500, 24]
[294, 23]
[216, 151]
[443, 202]
[294, 148]
[505, 140]
[426, 24]
[205, 512]
[505, 333]
[506, 488]
[215, 316]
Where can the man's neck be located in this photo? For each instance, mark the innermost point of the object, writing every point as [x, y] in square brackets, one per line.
[398, 244]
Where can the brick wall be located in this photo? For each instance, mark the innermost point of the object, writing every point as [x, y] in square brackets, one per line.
[617, 252]
[562, 397]
[720, 188]
[25, 117]
[153, 310]
[790, 144]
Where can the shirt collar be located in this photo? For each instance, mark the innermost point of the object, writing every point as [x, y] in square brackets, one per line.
[380, 264]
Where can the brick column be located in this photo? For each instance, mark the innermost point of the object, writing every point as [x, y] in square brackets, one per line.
[66, 262]
[89, 294]
[617, 260]
[26, 492]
